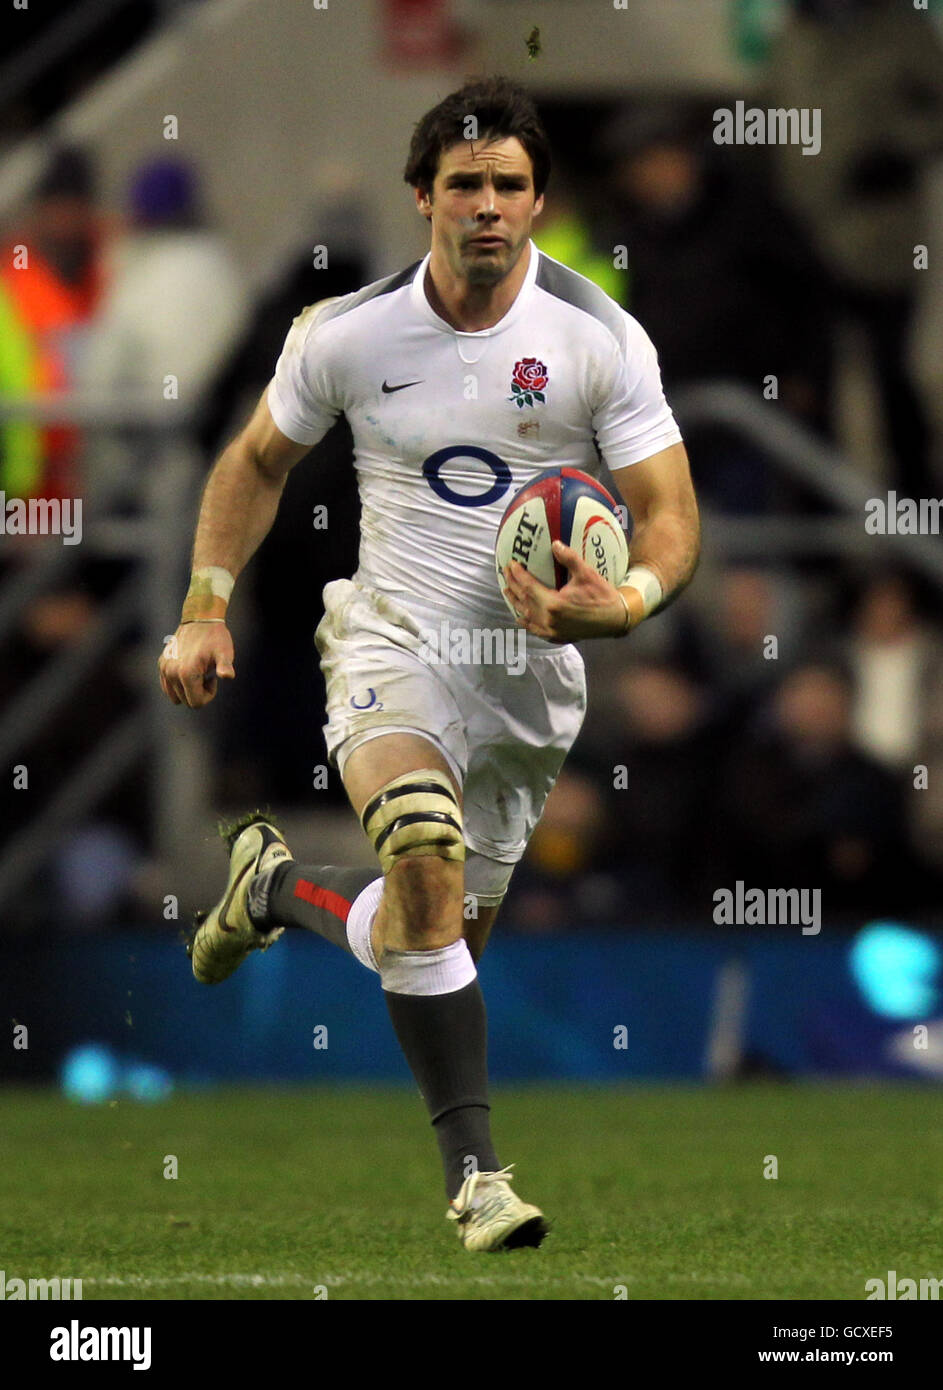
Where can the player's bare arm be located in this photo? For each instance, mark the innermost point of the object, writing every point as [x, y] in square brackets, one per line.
[237, 510]
[659, 495]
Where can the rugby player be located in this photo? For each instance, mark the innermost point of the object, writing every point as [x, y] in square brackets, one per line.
[447, 765]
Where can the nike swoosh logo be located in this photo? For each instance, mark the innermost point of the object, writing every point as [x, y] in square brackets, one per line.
[388, 390]
[224, 926]
[268, 839]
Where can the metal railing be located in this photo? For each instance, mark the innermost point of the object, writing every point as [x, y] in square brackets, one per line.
[155, 539]
[64, 38]
[805, 459]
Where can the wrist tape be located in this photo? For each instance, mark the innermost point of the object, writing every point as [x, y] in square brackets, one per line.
[221, 581]
[643, 579]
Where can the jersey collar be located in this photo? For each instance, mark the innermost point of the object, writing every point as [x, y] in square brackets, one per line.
[417, 292]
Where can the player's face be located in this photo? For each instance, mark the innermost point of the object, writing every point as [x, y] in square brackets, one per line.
[482, 208]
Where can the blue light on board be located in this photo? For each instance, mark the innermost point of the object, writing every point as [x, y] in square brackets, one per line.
[897, 970]
[90, 1073]
[145, 1082]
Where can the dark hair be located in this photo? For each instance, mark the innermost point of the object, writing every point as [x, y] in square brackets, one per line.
[503, 110]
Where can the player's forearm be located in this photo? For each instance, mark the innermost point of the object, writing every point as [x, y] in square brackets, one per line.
[669, 545]
[236, 514]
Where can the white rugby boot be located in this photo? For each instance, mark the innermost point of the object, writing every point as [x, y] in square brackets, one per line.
[224, 936]
[492, 1217]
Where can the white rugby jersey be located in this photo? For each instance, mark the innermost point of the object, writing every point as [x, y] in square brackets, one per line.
[448, 425]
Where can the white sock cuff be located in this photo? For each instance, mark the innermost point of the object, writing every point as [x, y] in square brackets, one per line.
[428, 972]
[363, 909]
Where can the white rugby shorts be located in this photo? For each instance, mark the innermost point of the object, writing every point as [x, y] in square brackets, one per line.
[504, 735]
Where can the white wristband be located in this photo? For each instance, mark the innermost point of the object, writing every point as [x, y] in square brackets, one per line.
[221, 581]
[643, 579]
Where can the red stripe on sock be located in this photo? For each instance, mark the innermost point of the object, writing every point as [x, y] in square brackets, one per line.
[323, 897]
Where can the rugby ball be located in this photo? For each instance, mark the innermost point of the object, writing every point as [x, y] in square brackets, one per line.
[568, 505]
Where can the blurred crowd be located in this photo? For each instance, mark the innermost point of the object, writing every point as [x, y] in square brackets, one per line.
[714, 754]
[783, 725]
[776, 732]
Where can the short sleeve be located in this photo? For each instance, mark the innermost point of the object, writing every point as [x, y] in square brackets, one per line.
[634, 420]
[299, 394]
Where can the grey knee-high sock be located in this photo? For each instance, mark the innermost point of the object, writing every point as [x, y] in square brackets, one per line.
[443, 1037]
[444, 1040]
[316, 898]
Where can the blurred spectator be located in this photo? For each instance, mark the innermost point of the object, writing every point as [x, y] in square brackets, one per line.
[897, 664]
[653, 748]
[800, 806]
[48, 293]
[175, 298]
[721, 279]
[563, 232]
[570, 873]
[874, 68]
[22, 443]
[749, 631]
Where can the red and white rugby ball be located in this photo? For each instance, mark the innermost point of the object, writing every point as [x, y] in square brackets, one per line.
[568, 505]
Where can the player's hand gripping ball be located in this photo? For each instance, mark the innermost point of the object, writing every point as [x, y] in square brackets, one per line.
[561, 504]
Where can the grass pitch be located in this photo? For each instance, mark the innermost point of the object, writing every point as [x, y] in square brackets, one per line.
[281, 1193]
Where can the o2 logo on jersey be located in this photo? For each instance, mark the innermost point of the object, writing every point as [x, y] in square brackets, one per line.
[371, 702]
[433, 465]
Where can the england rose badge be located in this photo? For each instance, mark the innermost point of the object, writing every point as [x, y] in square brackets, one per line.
[528, 382]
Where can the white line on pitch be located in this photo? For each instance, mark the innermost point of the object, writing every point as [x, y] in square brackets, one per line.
[138, 1281]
